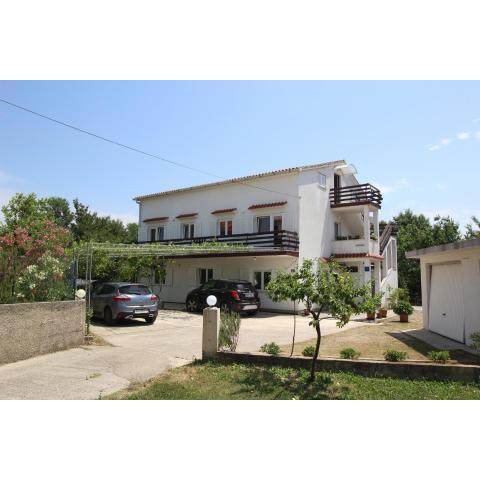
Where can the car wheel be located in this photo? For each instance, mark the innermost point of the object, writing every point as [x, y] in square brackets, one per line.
[151, 320]
[107, 316]
[191, 305]
[225, 308]
[252, 313]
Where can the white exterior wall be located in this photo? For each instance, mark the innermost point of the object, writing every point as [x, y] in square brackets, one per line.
[219, 197]
[470, 278]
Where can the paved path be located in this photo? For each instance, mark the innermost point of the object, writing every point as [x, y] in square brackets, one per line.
[138, 352]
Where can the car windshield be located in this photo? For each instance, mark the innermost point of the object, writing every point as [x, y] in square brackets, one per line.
[244, 286]
[135, 290]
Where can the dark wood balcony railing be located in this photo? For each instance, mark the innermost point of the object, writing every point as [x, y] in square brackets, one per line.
[385, 234]
[278, 240]
[362, 194]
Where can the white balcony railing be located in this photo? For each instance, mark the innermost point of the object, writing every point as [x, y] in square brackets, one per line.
[355, 246]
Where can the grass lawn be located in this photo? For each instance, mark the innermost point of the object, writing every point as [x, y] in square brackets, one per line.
[214, 381]
[373, 339]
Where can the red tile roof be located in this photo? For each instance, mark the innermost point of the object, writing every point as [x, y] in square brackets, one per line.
[155, 219]
[248, 178]
[267, 205]
[225, 210]
[186, 215]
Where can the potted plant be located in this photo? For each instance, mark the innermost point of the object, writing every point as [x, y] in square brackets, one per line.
[404, 309]
[371, 305]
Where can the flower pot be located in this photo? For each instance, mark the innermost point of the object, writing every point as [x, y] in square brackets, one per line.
[403, 317]
[370, 315]
[384, 312]
[379, 314]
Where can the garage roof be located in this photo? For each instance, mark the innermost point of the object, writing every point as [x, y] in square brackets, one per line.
[448, 247]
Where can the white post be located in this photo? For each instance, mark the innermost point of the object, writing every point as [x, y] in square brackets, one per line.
[211, 324]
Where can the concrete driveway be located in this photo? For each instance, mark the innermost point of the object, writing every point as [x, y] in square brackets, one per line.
[138, 352]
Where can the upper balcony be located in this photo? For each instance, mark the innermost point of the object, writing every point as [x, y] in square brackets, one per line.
[279, 240]
[355, 246]
[353, 195]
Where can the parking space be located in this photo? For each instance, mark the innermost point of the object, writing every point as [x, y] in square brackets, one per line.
[138, 352]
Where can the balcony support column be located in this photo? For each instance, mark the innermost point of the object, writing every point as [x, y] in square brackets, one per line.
[366, 224]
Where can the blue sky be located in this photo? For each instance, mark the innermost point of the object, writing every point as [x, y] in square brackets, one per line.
[418, 141]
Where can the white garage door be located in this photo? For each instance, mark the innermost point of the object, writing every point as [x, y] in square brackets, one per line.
[446, 315]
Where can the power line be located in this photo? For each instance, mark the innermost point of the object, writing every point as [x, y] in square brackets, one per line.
[133, 149]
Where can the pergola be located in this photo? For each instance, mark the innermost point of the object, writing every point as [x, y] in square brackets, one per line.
[167, 251]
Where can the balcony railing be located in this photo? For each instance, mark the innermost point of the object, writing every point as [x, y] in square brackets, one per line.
[363, 194]
[277, 240]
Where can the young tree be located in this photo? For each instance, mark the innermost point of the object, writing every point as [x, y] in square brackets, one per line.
[321, 288]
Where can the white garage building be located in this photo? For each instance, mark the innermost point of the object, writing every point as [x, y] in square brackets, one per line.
[451, 288]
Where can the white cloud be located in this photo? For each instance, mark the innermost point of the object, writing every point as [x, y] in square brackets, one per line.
[432, 148]
[445, 141]
[401, 184]
[463, 136]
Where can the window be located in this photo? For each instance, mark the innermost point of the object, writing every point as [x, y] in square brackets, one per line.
[107, 290]
[160, 233]
[188, 230]
[204, 275]
[152, 234]
[262, 279]
[225, 227]
[322, 181]
[209, 285]
[263, 224]
[135, 290]
[277, 223]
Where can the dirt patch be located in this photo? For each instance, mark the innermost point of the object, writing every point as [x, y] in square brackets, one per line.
[373, 339]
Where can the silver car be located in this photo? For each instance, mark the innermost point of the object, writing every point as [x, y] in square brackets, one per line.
[124, 301]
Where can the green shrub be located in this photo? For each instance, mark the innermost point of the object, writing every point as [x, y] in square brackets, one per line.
[439, 357]
[229, 331]
[475, 338]
[396, 295]
[270, 348]
[394, 356]
[372, 303]
[403, 307]
[349, 353]
[309, 351]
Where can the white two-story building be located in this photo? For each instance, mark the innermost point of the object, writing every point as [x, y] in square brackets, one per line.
[316, 211]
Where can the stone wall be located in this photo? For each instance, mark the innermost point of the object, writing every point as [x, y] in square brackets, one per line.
[31, 329]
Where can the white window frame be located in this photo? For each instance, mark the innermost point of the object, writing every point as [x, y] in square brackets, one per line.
[189, 225]
[154, 230]
[262, 278]
[322, 181]
[271, 221]
[207, 276]
[160, 227]
[225, 220]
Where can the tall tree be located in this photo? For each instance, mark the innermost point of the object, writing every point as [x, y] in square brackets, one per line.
[473, 229]
[59, 209]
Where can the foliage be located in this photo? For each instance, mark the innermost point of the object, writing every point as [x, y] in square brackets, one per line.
[270, 348]
[320, 287]
[308, 351]
[229, 331]
[88, 318]
[350, 353]
[372, 303]
[475, 338]
[415, 232]
[473, 229]
[396, 294]
[28, 234]
[403, 307]
[394, 355]
[43, 281]
[442, 356]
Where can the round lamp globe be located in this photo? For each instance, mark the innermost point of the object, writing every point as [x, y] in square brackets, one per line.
[211, 300]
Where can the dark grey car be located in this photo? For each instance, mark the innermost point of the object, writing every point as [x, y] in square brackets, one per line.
[124, 301]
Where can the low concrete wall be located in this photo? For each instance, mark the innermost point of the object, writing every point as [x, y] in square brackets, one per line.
[31, 329]
[369, 368]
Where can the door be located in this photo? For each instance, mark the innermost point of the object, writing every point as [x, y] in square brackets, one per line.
[446, 314]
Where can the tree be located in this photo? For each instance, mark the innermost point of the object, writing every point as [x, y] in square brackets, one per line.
[321, 288]
[473, 231]
[415, 232]
[58, 209]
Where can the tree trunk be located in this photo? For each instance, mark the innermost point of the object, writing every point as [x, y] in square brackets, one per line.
[294, 327]
[317, 349]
